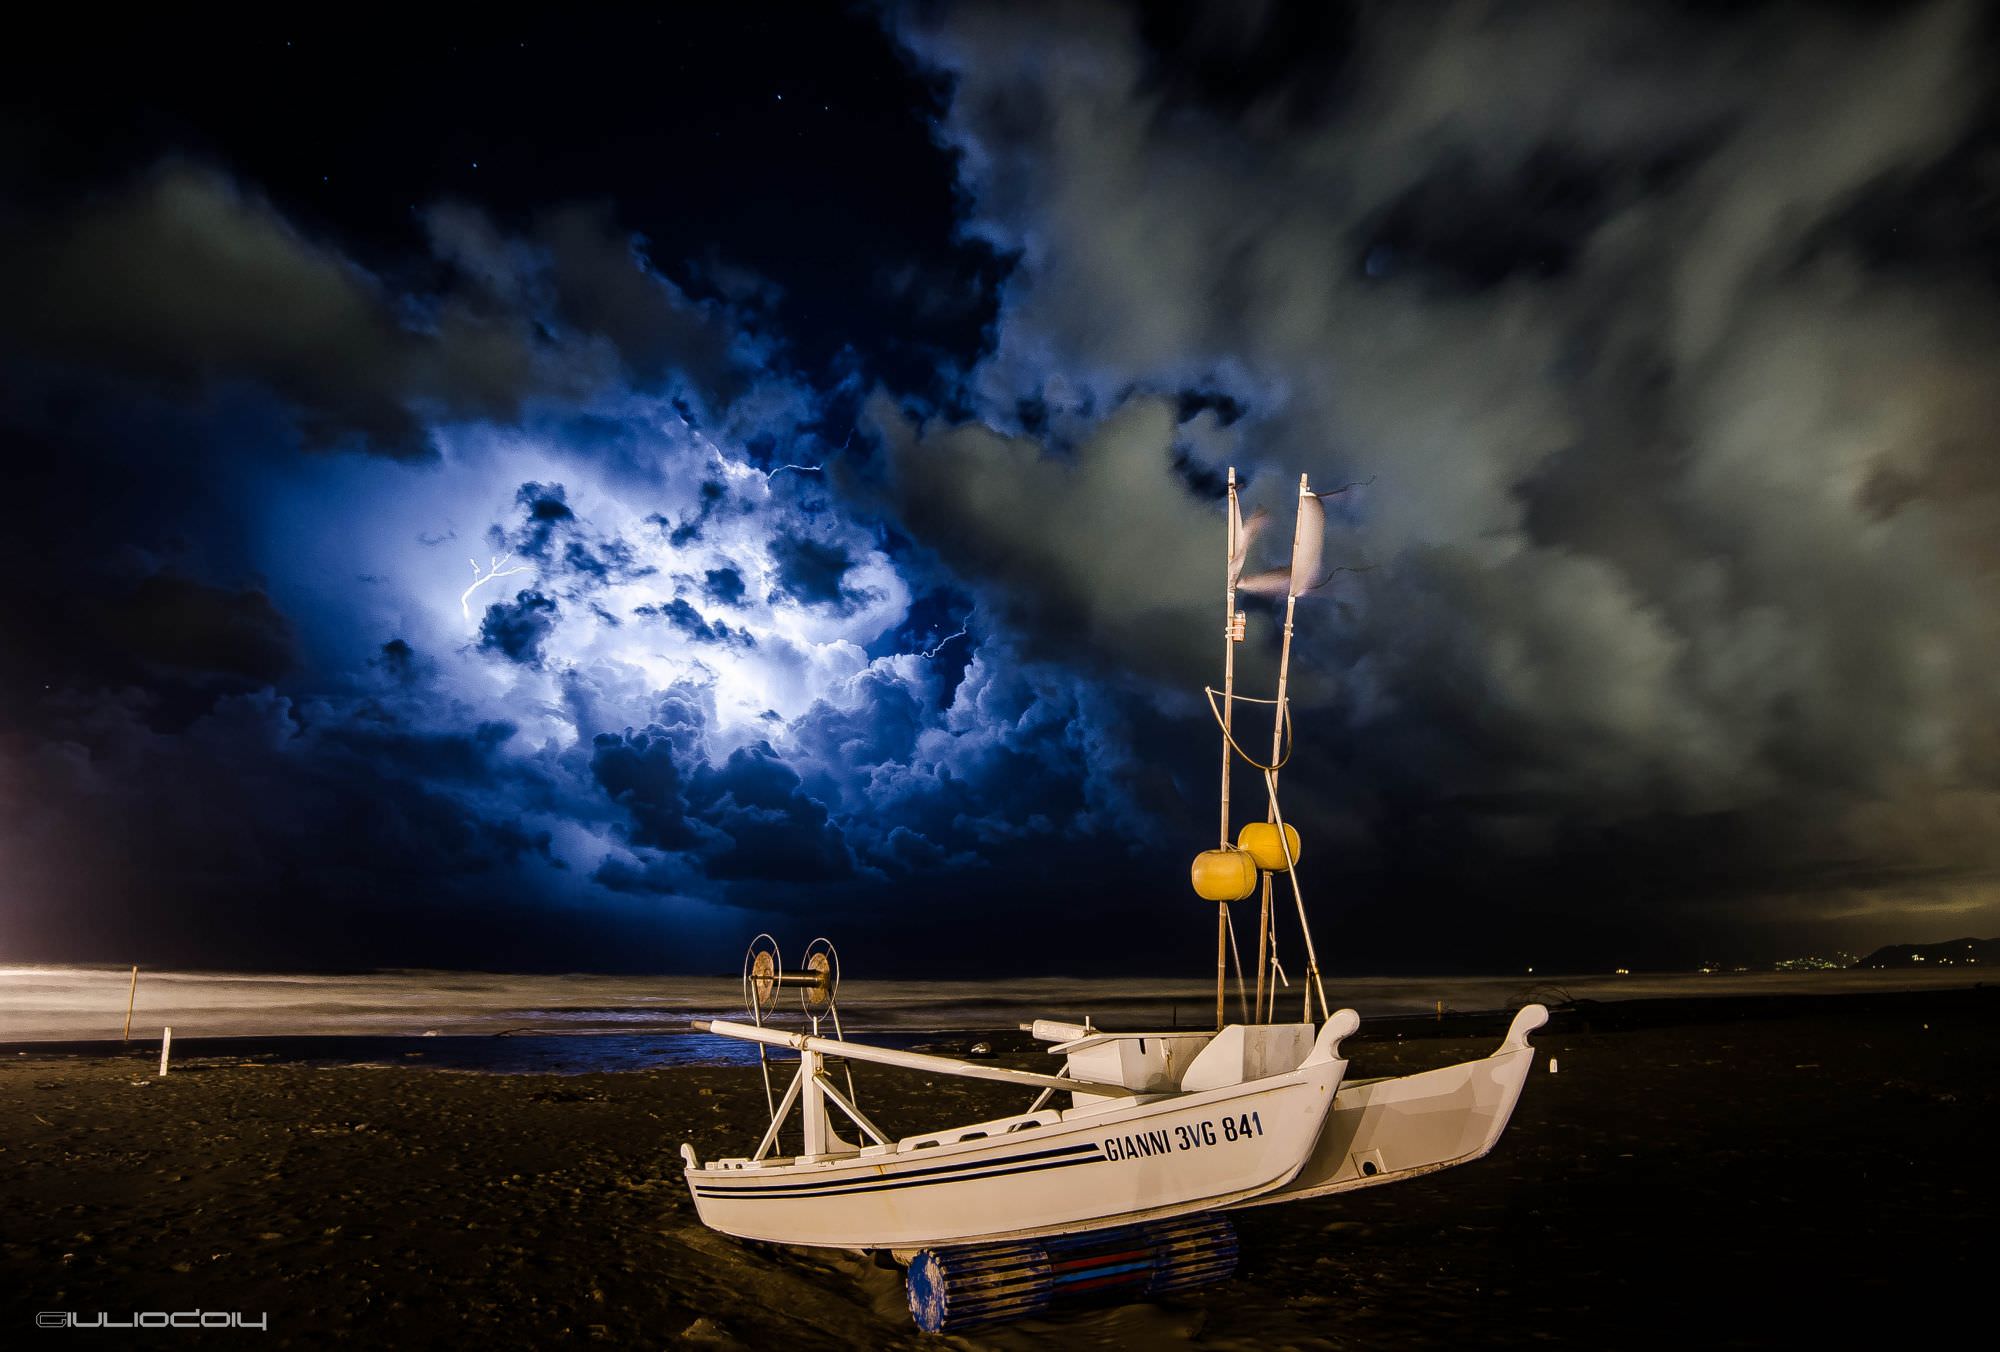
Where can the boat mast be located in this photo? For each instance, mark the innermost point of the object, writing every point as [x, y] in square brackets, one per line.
[1213, 867]
[1292, 589]
[1230, 634]
[1305, 564]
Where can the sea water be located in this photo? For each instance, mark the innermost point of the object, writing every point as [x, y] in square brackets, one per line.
[496, 1021]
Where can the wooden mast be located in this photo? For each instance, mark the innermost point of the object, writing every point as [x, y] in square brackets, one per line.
[1278, 725]
[1228, 705]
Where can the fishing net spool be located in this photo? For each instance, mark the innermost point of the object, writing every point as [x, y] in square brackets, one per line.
[820, 979]
[762, 965]
[765, 976]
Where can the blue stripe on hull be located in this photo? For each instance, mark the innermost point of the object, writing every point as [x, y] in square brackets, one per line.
[936, 1174]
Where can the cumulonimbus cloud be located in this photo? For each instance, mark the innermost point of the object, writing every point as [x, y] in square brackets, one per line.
[1673, 505]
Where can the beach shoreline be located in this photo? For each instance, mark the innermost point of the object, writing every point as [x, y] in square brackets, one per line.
[41, 1004]
[1732, 1173]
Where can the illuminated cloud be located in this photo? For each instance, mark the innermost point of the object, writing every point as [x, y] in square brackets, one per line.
[505, 587]
[623, 710]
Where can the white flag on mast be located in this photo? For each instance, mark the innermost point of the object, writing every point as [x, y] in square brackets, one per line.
[1245, 534]
[1307, 547]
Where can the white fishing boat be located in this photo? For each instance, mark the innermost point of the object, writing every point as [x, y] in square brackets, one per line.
[1125, 1151]
[1163, 1129]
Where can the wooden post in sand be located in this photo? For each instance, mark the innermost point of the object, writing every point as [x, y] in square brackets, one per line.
[130, 996]
[166, 1041]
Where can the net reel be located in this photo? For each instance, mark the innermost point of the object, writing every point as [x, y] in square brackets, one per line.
[817, 980]
[823, 966]
[761, 968]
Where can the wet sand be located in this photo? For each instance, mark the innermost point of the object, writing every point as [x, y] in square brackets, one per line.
[1698, 1172]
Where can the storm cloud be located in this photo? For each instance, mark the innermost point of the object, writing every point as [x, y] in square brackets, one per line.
[501, 586]
[188, 277]
[572, 653]
[1678, 466]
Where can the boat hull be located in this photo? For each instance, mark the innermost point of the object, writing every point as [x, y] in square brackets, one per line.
[1136, 1160]
[1385, 1131]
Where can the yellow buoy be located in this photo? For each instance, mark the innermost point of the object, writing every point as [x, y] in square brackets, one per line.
[1224, 875]
[1260, 841]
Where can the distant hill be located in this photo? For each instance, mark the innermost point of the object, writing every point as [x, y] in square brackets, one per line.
[1950, 953]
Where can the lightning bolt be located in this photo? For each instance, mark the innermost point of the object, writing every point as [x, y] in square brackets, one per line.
[480, 579]
[806, 469]
[934, 651]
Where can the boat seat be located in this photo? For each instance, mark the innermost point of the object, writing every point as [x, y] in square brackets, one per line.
[1148, 1062]
[1244, 1052]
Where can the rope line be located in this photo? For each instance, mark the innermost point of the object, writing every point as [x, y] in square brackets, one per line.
[1236, 961]
[1236, 746]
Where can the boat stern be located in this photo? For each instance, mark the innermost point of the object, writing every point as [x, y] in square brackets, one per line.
[1383, 1131]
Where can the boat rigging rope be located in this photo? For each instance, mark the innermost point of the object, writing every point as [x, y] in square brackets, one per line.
[1236, 961]
[1318, 984]
[1230, 737]
[1299, 896]
[846, 1065]
[756, 1011]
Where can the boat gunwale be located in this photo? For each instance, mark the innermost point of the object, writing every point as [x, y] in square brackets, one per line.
[1091, 1120]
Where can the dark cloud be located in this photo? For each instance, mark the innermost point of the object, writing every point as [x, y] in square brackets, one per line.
[177, 622]
[663, 337]
[695, 625]
[191, 278]
[187, 277]
[290, 642]
[288, 835]
[812, 572]
[776, 831]
[1656, 338]
[517, 629]
[712, 496]
[545, 515]
[747, 819]
[641, 773]
[724, 586]
[1468, 234]
[1602, 313]
[400, 661]
[471, 757]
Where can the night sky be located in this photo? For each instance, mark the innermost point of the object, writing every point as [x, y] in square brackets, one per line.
[574, 493]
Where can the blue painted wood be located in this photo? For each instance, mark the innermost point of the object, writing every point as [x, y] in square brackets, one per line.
[967, 1285]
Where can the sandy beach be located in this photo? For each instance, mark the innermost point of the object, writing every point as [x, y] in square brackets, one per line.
[1732, 1173]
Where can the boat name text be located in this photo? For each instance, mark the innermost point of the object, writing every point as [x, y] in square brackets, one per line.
[1186, 1136]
